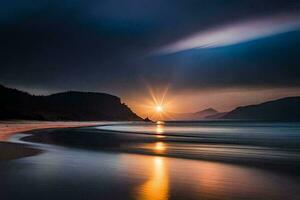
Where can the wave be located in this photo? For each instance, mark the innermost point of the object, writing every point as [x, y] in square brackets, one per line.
[275, 145]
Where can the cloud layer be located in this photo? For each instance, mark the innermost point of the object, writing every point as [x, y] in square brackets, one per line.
[104, 45]
[236, 33]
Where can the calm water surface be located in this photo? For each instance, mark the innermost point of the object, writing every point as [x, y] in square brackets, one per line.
[147, 163]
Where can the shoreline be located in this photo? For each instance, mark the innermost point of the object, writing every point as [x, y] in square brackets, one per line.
[10, 150]
[114, 142]
[9, 128]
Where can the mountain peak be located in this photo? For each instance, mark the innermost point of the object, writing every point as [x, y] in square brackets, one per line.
[212, 110]
[195, 116]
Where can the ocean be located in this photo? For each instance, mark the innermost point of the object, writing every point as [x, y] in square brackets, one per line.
[208, 160]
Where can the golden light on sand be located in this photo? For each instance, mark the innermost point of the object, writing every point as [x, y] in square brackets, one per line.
[157, 186]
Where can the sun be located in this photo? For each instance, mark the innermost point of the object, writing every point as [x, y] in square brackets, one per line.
[159, 108]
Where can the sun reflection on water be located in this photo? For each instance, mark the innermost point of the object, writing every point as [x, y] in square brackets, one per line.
[159, 178]
[159, 147]
[159, 130]
[157, 187]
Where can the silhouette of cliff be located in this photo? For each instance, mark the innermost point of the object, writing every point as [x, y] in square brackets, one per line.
[81, 106]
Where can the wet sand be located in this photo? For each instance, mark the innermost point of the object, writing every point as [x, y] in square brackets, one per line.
[10, 151]
[9, 128]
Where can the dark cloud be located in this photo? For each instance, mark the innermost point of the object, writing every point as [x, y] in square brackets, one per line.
[105, 45]
[268, 62]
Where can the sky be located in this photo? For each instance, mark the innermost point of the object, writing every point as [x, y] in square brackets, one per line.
[197, 54]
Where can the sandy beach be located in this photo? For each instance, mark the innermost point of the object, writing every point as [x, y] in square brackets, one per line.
[10, 151]
[8, 128]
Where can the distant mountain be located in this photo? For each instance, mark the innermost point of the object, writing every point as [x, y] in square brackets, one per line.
[84, 106]
[286, 109]
[205, 113]
[194, 116]
[216, 116]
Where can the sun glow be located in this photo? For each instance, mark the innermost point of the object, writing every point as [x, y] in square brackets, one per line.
[159, 108]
